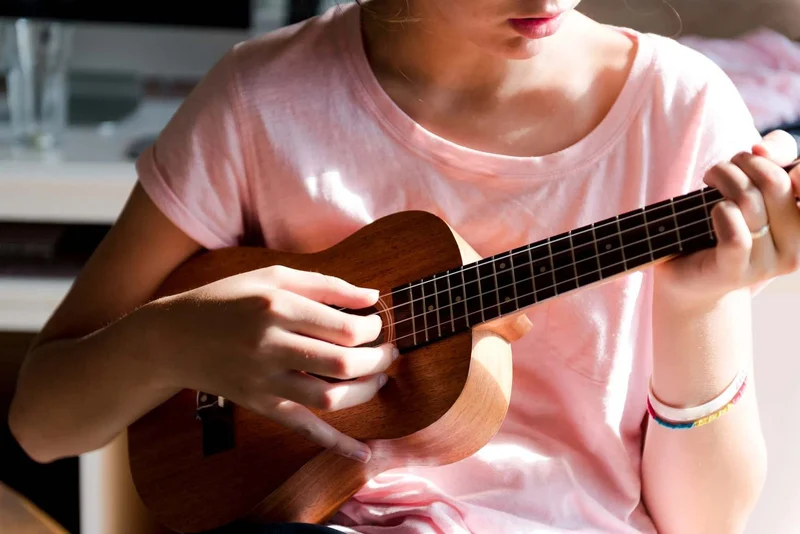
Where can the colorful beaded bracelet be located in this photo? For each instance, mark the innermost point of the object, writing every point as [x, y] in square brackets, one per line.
[687, 415]
[701, 421]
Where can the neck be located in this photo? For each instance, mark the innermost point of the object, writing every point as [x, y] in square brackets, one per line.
[450, 302]
[411, 40]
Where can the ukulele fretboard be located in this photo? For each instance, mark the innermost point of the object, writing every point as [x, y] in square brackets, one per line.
[450, 302]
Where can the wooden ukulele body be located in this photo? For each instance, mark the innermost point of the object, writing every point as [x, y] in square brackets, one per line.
[442, 403]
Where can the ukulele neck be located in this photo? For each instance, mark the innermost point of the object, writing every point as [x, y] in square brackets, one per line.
[451, 302]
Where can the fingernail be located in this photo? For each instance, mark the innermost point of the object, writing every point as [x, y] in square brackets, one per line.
[361, 456]
[395, 353]
[382, 380]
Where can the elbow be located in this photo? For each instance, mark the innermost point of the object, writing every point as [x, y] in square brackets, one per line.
[749, 485]
[756, 477]
[745, 487]
[29, 435]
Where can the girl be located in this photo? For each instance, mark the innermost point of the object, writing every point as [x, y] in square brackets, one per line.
[513, 121]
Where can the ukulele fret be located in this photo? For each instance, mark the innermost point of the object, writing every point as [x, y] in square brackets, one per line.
[647, 235]
[563, 264]
[622, 248]
[418, 309]
[597, 253]
[675, 220]
[693, 222]
[708, 215]
[522, 268]
[587, 263]
[661, 226]
[444, 305]
[543, 280]
[437, 308]
[431, 311]
[504, 277]
[472, 295]
[488, 289]
[458, 296]
[611, 255]
[635, 245]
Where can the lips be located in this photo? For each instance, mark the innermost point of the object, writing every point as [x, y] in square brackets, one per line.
[537, 27]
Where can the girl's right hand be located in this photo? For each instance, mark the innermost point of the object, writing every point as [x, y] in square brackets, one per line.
[254, 339]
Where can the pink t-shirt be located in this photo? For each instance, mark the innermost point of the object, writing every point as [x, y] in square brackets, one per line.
[291, 139]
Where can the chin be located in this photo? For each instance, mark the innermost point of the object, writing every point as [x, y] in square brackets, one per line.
[516, 48]
[524, 48]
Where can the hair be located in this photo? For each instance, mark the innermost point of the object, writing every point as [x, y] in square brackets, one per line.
[397, 18]
[664, 3]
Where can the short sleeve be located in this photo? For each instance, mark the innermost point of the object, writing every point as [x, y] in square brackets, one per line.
[195, 172]
[726, 125]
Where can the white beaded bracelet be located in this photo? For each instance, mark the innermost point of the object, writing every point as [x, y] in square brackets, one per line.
[688, 415]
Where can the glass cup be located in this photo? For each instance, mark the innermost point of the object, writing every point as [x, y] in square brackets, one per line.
[37, 55]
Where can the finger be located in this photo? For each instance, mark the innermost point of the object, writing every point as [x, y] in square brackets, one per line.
[307, 317]
[779, 198]
[794, 177]
[300, 353]
[303, 421]
[330, 397]
[779, 146]
[734, 241]
[321, 288]
[735, 185]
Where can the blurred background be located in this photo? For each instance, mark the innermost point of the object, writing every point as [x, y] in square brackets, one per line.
[84, 87]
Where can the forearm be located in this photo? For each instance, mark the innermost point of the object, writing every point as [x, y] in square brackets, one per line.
[76, 395]
[705, 479]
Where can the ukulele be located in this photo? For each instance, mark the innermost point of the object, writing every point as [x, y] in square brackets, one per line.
[200, 462]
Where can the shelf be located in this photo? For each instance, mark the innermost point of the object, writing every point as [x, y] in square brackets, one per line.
[88, 180]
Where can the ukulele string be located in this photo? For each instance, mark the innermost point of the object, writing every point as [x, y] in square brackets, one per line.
[595, 257]
[535, 290]
[615, 222]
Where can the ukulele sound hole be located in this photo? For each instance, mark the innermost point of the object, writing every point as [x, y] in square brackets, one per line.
[381, 339]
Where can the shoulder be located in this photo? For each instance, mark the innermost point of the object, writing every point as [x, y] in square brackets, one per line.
[687, 74]
[287, 55]
[696, 103]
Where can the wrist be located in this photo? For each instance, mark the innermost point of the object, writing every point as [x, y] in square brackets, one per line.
[148, 325]
[691, 362]
[674, 298]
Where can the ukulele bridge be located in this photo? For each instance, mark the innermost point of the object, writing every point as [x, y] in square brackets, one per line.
[216, 417]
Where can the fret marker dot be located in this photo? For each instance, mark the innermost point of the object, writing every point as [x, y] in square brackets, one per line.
[458, 298]
[661, 228]
[508, 299]
[203, 398]
[430, 308]
[608, 246]
[502, 265]
[543, 269]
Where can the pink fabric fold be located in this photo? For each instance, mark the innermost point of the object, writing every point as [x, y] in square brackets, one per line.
[765, 67]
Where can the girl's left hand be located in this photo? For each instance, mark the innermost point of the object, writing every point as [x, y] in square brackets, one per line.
[757, 227]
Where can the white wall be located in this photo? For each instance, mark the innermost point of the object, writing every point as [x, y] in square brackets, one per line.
[777, 353]
[155, 52]
[162, 51]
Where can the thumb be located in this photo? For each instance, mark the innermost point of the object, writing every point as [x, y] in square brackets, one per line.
[778, 146]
